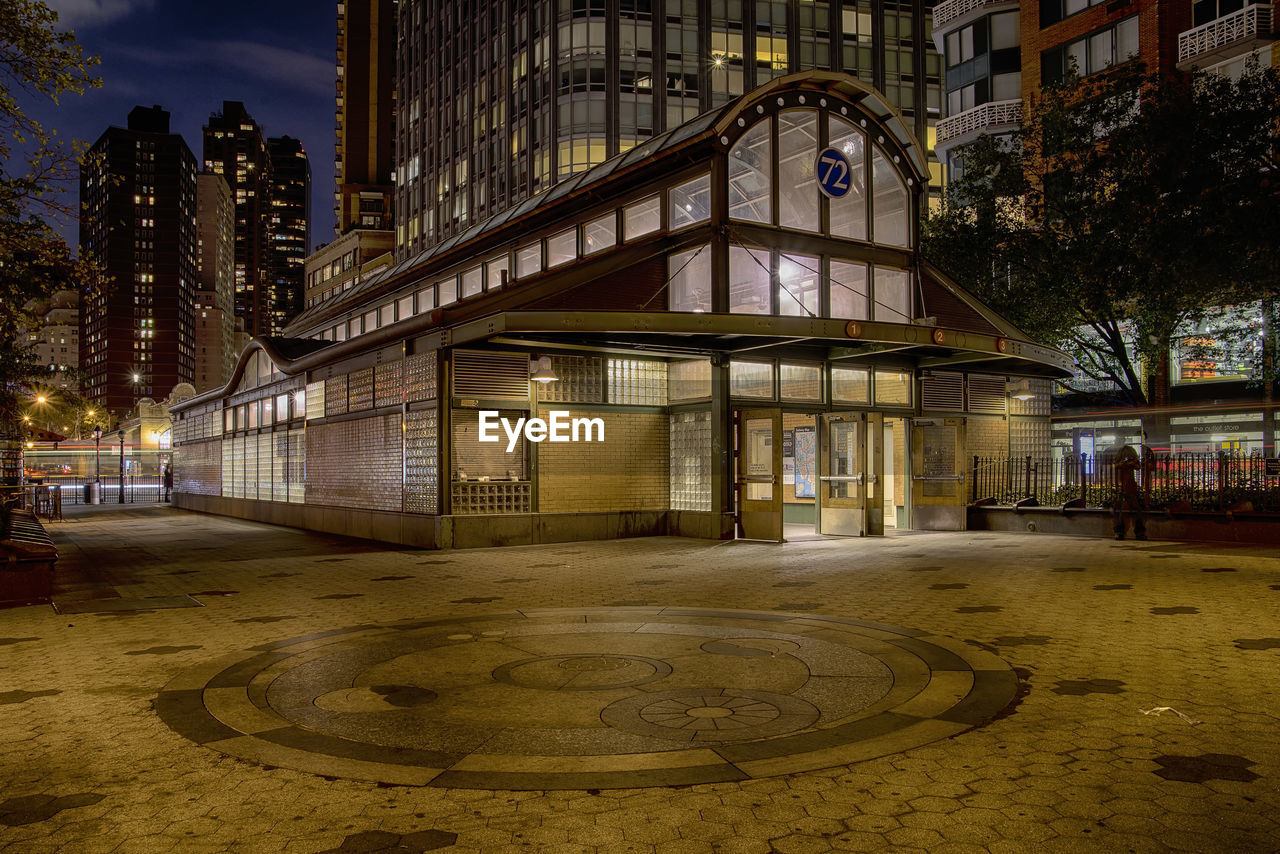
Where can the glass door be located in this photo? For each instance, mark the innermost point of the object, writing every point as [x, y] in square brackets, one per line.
[759, 467]
[937, 474]
[842, 502]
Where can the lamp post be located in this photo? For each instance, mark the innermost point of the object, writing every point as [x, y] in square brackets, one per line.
[121, 435]
[97, 453]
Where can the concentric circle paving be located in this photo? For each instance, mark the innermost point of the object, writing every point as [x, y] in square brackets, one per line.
[588, 698]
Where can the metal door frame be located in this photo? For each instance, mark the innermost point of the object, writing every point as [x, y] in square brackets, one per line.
[752, 513]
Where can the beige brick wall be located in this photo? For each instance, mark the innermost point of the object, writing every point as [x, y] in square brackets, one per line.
[629, 470]
[985, 437]
[356, 463]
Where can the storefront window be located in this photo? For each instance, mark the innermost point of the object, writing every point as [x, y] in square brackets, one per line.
[798, 277]
[749, 291]
[848, 291]
[892, 296]
[797, 184]
[1223, 347]
[690, 202]
[889, 202]
[849, 213]
[690, 277]
[751, 379]
[750, 165]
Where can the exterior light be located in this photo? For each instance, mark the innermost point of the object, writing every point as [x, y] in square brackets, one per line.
[97, 433]
[42, 399]
[541, 372]
[136, 378]
[89, 414]
[1022, 391]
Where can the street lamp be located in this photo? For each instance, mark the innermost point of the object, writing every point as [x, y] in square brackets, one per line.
[97, 453]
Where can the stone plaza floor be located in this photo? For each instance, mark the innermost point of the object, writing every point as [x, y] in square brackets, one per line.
[210, 684]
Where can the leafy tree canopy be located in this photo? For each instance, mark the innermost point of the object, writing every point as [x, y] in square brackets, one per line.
[36, 61]
[1126, 207]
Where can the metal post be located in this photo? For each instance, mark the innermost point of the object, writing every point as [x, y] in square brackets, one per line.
[121, 435]
[974, 500]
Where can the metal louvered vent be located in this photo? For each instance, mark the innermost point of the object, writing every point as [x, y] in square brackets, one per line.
[500, 376]
[986, 395]
[943, 392]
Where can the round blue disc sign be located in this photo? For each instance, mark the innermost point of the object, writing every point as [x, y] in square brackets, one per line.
[835, 176]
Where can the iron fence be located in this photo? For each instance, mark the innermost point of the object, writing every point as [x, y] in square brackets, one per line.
[1212, 481]
[136, 488]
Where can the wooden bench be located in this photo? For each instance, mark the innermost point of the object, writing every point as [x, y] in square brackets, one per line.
[27, 558]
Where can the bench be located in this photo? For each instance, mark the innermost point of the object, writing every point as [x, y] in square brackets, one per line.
[27, 558]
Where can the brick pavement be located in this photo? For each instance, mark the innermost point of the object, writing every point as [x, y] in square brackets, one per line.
[1098, 630]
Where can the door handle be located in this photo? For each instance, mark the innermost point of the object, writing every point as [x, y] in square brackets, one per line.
[760, 478]
[953, 478]
[849, 478]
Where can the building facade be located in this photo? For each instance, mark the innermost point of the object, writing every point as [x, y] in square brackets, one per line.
[288, 228]
[500, 100]
[235, 148]
[138, 194]
[56, 340]
[215, 282]
[341, 265]
[366, 108]
[748, 280]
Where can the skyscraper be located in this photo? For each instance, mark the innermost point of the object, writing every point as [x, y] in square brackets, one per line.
[500, 100]
[365, 114]
[138, 191]
[215, 274]
[288, 228]
[234, 148]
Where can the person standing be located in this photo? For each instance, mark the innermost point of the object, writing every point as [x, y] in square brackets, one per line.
[168, 480]
[1126, 496]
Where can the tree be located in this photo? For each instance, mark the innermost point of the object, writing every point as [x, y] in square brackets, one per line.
[1124, 209]
[36, 61]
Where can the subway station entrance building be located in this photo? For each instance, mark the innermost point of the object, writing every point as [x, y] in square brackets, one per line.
[741, 303]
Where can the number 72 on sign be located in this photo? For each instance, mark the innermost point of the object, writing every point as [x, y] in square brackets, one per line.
[835, 176]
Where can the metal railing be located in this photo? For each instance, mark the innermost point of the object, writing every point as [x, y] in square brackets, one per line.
[1246, 23]
[993, 114]
[1181, 481]
[137, 488]
[947, 11]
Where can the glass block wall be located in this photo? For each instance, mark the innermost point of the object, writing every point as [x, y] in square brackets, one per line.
[421, 462]
[637, 383]
[691, 461]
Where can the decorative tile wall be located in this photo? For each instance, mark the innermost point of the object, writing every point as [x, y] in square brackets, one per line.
[388, 384]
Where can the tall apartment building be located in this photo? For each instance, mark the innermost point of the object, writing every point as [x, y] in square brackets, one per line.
[215, 314]
[998, 55]
[56, 339]
[138, 195]
[288, 227]
[235, 148]
[500, 100]
[365, 114]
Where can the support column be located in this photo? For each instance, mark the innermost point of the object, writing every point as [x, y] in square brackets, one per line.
[722, 441]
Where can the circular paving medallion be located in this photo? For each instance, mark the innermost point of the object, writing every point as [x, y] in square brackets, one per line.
[589, 698]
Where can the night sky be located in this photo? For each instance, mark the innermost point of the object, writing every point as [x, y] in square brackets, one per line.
[277, 56]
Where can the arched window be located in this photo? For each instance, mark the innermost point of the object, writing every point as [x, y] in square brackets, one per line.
[750, 175]
[888, 203]
[849, 213]
[797, 184]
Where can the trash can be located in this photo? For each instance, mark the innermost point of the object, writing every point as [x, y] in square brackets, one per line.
[93, 493]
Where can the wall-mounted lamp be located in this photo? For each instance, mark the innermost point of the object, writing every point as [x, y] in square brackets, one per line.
[540, 370]
[1022, 391]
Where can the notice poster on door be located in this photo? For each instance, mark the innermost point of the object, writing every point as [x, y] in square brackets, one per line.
[788, 456]
[806, 459]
